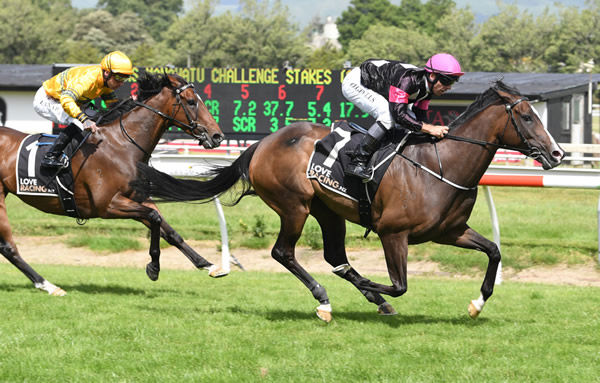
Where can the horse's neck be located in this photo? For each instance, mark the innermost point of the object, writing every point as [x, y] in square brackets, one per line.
[467, 162]
[144, 126]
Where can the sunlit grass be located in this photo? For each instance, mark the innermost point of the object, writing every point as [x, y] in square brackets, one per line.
[117, 326]
[538, 226]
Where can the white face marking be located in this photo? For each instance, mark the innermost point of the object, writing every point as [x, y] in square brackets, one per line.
[555, 146]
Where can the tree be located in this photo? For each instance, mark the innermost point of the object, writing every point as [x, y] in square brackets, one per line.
[510, 42]
[105, 33]
[455, 32]
[575, 40]
[362, 14]
[34, 33]
[381, 42]
[157, 15]
[326, 57]
[261, 35]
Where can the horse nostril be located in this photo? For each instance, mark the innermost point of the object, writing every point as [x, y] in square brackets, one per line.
[557, 154]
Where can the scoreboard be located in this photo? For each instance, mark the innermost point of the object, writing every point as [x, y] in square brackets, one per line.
[250, 103]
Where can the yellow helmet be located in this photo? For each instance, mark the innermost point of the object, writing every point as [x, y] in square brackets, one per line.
[117, 62]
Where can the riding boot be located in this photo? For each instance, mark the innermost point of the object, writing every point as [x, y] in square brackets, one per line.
[358, 166]
[55, 156]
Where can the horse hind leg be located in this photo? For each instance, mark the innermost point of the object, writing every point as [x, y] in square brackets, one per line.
[9, 250]
[333, 228]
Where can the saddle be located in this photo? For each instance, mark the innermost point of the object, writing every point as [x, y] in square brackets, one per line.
[33, 179]
[331, 155]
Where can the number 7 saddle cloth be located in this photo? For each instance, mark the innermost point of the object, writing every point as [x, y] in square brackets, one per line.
[331, 156]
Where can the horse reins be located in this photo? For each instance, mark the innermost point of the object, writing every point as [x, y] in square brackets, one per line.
[193, 123]
[530, 151]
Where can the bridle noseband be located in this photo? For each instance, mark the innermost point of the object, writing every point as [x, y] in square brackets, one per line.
[530, 151]
[196, 130]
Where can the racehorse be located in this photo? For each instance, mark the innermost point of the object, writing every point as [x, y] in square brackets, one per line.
[106, 163]
[412, 205]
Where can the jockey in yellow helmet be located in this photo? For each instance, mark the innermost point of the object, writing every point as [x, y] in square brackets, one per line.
[59, 99]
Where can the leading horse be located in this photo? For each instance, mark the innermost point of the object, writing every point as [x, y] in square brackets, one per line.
[411, 206]
[106, 163]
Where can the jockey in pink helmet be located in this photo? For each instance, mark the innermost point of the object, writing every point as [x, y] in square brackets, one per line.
[397, 95]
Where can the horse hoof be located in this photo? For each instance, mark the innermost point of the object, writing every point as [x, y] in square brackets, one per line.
[386, 309]
[217, 272]
[325, 316]
[152, 271]
[473, 311]
[324, 312]
[58, 292]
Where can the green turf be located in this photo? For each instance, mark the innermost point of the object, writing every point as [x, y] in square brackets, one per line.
[117, 326]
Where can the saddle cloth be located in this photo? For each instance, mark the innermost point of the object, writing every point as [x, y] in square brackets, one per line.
[32, 179]
[331, 155]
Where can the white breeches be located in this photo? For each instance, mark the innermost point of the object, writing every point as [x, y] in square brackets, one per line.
[366, 99]
[52, 110]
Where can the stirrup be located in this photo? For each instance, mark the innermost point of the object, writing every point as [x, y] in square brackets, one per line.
[52, 162]
[358, 170]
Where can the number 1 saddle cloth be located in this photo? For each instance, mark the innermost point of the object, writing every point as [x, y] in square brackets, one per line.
[34, 180]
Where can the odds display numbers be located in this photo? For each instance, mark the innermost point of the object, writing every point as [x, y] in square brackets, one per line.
[252, 103]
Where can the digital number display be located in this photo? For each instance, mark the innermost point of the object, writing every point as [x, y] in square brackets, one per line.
[252, 103]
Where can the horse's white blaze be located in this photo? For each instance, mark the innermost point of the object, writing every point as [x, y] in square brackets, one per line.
[555, 146]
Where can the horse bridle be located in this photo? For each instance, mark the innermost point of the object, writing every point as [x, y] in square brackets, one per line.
[530, 151]
[196, 130]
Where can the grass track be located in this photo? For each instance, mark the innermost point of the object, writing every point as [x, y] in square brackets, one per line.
[116, 326]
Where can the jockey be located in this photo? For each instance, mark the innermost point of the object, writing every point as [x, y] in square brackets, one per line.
[59, 99]
[396, 95]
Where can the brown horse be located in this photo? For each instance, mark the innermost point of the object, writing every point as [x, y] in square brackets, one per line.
[106, 163]
[411, 206]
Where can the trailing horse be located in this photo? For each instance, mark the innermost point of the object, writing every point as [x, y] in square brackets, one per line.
[413, 203]
[106, 163]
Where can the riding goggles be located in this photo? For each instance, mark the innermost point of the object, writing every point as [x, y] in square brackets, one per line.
[120, 77]
[447, 80]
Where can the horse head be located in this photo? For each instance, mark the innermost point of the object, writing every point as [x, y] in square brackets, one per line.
[524, 130]
[189, 107]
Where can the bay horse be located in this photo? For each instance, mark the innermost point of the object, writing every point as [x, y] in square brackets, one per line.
[106, 163]
[412, 205]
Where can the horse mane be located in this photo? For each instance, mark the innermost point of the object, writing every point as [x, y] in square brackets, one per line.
[148, 86]
[487, 98]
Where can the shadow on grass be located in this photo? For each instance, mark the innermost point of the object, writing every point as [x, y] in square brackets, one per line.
[394, 321]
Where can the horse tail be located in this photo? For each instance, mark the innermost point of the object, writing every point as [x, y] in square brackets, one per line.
[163, 187]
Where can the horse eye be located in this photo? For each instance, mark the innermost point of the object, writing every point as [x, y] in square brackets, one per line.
[527, 118]
[191, 102]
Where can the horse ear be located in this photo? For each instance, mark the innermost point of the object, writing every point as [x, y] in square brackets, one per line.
[505, 95]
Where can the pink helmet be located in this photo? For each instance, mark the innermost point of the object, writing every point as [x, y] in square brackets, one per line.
[444, 63]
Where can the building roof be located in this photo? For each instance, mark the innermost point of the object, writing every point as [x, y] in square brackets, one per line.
[23, 77]
[533, 85]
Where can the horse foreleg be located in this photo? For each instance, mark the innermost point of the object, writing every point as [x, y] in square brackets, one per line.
[468, 238]
[9, 250]
[123, 207]
[174, 239]
[395, 247]
[333, 228]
